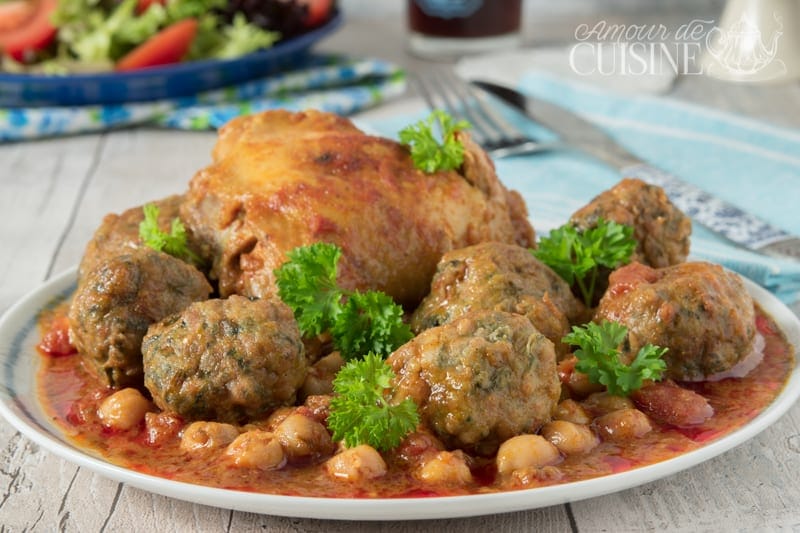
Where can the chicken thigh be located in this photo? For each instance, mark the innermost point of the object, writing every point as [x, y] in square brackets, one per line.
[279, 180]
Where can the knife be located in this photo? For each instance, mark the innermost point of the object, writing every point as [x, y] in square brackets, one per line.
[744, 229]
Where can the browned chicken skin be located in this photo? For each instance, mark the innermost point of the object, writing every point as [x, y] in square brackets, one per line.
[281, 180]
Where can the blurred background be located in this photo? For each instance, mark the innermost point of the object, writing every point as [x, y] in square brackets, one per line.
[552, 25]
[546, 22]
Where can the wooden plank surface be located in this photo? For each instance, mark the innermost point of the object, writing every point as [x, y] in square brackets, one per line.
[53, 194]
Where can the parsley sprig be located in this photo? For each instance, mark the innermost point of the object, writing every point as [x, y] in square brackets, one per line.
[359, 322]
[174, 243]
[360, 412]
[428, 153]
[577, 256]
[598, 357]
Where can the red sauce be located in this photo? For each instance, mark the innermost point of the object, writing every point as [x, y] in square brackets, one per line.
[55, 341]
[70, 394]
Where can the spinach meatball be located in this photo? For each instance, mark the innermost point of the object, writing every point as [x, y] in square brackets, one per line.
[118, 299]
[500, 277]
[480, 379]
[231, 360]
[661, 230]
[700, 311]
[118, 234]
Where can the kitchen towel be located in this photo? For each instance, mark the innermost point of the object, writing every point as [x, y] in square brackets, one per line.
[329, 83]
[746, 162]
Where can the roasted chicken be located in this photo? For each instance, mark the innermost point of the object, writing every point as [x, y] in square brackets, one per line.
[279, 180]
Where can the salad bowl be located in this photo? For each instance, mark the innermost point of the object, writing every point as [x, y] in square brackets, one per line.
[158, 83]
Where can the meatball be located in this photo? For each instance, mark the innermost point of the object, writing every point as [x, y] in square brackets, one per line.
[701, 312]
[661, 230]
[119, 234]
[116, 301]
[479, 379]
[501, 277]
[231, 360]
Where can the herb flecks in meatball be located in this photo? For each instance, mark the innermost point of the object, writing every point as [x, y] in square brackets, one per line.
[661, 230]
[229, 360]
[479, 379]
[118, 299]
[500, 277]
[118, 234]
[700, 311]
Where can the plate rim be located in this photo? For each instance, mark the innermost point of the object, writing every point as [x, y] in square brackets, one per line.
[422, 508]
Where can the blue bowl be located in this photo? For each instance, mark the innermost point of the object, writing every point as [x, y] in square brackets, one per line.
[157, 83]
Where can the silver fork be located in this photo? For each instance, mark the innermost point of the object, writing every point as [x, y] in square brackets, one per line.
[441, 88]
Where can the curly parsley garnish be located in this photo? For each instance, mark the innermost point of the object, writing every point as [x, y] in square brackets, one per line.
[307, 284]
[598, 357]
[360, 412]
[174, 243]
[428, 154]
[359, 322]
[577, 255]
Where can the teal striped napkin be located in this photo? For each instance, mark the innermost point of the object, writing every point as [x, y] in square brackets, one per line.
[748, 163]
[329, 83]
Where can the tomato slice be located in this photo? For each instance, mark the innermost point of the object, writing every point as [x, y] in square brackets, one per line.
[165, 47]
[55, 341]
[34, 33]
[14, 14]
[144, 5]
[318, 11]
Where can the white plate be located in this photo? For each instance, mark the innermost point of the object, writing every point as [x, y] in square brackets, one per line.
[19, 405]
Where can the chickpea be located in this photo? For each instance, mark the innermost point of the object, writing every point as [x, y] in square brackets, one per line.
[445, 468]
[316, 407]
[601, 403]
[319, 379]
[576, 382]
[525, 451]
[624, 424]
[256, 449]
[572, 411]
[161, 427]
[124, 409]
[580, 385]
[303, 437]
[570, 438]
[531, 477]
[207, 436]
[416, 446]
[277, 416]
[356, 464]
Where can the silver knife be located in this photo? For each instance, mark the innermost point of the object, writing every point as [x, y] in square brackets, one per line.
[718, 215]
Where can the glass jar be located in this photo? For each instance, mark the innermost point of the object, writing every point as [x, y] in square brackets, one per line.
[451, 28]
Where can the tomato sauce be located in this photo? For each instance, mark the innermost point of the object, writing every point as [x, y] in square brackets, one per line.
[70, 393]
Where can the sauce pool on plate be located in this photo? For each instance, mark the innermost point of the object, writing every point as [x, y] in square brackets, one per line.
[71, 395]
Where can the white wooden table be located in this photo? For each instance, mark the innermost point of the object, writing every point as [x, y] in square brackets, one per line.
[54, 193]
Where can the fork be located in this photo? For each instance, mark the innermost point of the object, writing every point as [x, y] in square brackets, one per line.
[441, 88]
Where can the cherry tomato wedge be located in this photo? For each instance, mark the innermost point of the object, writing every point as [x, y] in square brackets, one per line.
[144, 5]
[165, 47]
[34, 32]
[318, 11]
[55, 341]
[14, 14]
